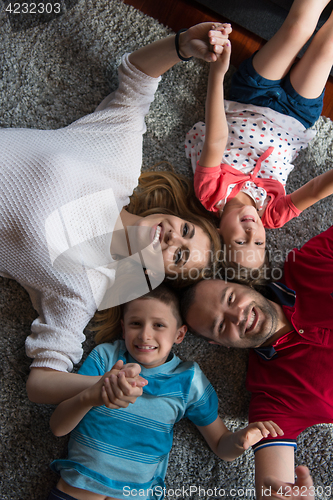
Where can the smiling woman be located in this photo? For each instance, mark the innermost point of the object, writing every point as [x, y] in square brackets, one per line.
[190, 244]
[61, 194]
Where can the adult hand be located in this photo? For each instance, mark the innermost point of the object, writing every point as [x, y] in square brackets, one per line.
[302, 489]
[204, 41]
[122, 385]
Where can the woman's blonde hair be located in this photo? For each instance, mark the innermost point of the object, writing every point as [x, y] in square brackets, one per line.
[173, 194]
[108, 322]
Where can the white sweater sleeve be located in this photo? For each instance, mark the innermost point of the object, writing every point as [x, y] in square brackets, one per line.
[56, 341]
[52, 169]
[65, 308]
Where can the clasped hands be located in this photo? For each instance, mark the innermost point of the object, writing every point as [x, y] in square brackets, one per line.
[205, 41]
[122, 385]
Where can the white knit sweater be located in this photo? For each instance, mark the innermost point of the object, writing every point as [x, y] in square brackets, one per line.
[59, 188]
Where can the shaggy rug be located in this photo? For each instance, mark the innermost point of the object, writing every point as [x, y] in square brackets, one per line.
[55, 68]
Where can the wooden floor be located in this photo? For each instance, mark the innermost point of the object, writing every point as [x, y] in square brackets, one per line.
[177, 14]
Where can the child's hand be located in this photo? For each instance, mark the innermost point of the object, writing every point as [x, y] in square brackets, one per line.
[218, 36]
[122, 385]
[197, 41]
[223, 55]
[131, 371]
[254, 432]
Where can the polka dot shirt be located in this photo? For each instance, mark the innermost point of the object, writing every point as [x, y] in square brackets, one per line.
[252, 130]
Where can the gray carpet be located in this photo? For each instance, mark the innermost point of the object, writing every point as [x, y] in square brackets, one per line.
[55, 70]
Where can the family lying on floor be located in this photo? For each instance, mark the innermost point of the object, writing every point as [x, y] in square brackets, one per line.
[69, 221]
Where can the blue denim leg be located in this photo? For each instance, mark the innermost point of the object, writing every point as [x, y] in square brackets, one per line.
[249, 87]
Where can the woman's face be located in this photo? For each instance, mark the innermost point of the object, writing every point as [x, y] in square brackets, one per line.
[183, 245]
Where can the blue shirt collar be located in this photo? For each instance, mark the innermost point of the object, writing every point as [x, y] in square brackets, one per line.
[283, 295]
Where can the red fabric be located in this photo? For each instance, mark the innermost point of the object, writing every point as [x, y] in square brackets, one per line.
[211, 186]
[295, 389]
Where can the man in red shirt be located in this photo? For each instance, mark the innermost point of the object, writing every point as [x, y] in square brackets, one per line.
[291, 333]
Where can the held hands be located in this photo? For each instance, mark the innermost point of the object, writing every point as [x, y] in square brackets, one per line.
[205, 41]
[117, 388]
[122, 385]
[254, 432]
[221, 65]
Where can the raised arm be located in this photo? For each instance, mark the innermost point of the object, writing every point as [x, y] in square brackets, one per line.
[216, 132]
[71, 411]
[318, 188]
[229, 445]
[156, 58]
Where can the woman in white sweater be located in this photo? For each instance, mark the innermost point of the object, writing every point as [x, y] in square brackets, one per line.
[61, 193]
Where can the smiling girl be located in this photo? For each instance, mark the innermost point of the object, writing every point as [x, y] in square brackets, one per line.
[243, 155]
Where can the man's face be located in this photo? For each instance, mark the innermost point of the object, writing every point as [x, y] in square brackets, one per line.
[232, 315]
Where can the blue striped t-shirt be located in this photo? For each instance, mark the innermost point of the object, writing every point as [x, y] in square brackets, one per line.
[114, 452]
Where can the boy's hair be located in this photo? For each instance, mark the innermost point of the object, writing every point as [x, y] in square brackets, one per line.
[108, 325]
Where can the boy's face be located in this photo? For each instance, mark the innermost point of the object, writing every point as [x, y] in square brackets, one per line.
[244, 236]
[150, 329]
